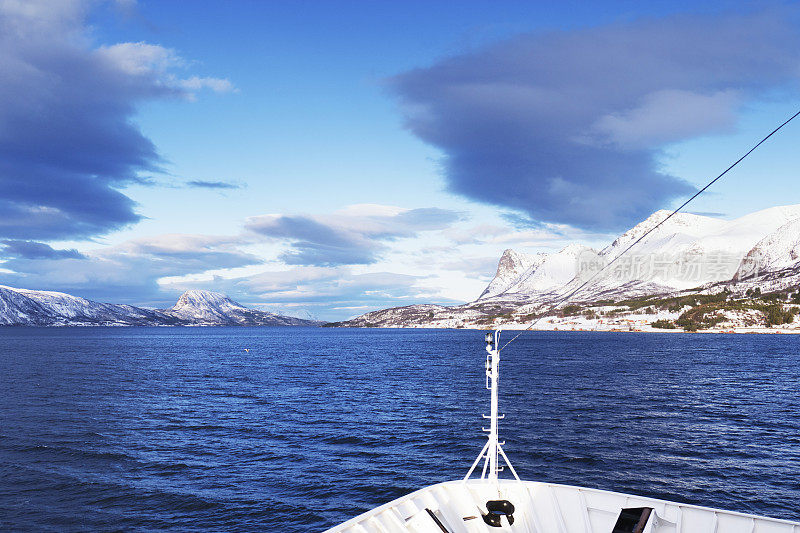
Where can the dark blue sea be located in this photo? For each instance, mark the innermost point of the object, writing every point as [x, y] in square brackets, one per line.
[181, 429]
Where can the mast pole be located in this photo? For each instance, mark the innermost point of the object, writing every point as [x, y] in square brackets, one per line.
[493, 372]
[492, 451]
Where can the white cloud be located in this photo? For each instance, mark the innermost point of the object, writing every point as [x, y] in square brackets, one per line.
[370, 210]
[154, 61]
[218, 85]
[140, 58]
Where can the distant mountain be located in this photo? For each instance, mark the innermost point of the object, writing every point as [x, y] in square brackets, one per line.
[23, 307]
[215, 309]
[687, 253]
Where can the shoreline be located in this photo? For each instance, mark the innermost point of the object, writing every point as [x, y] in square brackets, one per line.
[517, 328]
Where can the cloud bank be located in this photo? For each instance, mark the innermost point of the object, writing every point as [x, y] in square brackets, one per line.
[125, 273]
[356, 236]
[67, 139]
[36, 250]
[568, 127]
[326, 276]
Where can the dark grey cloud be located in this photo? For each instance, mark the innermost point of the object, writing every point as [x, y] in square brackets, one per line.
[423, 218]
[203, 184]
[346, 239]
[303, 229]
[324, 254]
[68, 143]
[568, 127]
[36, 250]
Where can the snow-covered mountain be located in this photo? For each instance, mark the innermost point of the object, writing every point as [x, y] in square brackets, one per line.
[213, 308]
[23, 307]
[544, 272]
[686, 252]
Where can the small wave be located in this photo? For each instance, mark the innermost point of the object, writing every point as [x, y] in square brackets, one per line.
[353, 440]
[583, 460]
[193, 427]
[49, 450]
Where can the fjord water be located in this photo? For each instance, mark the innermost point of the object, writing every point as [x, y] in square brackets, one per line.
[181, 428]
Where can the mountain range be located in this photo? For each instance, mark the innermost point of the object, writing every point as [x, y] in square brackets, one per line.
[22, 307]
[687, 254]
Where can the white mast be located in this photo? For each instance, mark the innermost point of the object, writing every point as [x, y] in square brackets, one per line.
[492, 370]
[492, 450]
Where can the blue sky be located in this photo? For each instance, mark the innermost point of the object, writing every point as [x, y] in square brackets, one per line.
[330, 158]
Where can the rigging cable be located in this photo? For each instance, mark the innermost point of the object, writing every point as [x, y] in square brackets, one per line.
[572, 293]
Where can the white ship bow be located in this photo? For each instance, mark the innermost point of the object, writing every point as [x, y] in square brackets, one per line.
[489, 504]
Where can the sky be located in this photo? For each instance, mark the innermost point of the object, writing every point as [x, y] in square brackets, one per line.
[326, 159]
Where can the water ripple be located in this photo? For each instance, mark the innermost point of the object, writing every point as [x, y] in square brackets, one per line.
[181, 429]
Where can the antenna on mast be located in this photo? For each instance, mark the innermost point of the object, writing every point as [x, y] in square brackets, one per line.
[493, 449]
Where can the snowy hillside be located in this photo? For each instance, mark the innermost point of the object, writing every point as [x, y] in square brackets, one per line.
[16, 308]
[777, 251]
[46, 308]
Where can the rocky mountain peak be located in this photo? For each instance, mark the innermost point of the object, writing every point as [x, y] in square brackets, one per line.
[512, 264]
[204, 299]
[511, 261]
